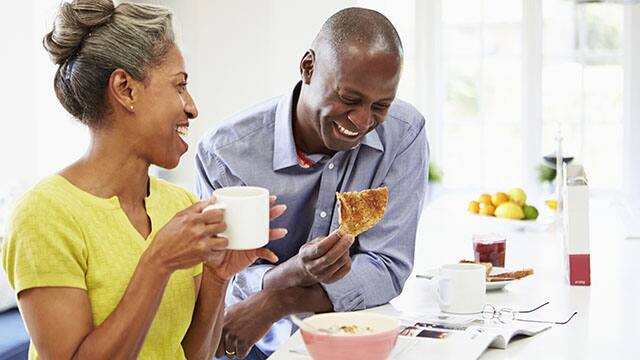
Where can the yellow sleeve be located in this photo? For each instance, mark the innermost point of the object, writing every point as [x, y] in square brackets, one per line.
[192, 198]
[44, 245]
[197, 270]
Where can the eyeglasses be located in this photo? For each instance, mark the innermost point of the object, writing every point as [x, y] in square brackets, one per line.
[505, 315]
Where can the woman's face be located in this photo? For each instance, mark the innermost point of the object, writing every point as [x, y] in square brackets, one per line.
[163, 110]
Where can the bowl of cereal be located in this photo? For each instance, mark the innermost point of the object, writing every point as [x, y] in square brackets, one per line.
[350, 335]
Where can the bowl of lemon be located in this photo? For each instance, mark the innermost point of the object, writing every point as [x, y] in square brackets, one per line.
[506, 208]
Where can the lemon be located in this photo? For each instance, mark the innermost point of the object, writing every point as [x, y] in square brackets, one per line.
[487, 209]
[499, 198]
[518, 196]
[473, 207]
[553, 204]
[530, 212]
[509, 210]
[485, 198]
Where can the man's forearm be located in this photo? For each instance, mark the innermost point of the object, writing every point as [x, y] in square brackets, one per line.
[285, 275]
[300, 299]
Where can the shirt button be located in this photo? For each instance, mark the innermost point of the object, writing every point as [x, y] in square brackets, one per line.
[323, 214]
[331, 166]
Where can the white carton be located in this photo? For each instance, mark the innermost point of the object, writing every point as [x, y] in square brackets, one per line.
[575, 213]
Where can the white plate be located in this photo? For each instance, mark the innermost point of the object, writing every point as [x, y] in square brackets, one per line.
[492, 223]
[517, 225]
[490, 285]
[497, 285]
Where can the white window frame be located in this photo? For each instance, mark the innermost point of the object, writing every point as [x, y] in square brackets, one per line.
[430, 87]
[631, 103]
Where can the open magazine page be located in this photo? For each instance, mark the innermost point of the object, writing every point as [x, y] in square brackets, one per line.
[469, 329]
[503, 333]
[457, 347]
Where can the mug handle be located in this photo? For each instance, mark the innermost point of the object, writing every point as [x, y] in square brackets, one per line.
[443, 281]
[216, 206]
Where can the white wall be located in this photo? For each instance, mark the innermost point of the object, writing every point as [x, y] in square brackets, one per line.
[38, 137]
[239, 53]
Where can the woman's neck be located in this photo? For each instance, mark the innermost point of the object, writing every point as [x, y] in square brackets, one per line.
[110, 168]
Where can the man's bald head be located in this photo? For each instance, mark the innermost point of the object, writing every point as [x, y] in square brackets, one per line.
[363, 28]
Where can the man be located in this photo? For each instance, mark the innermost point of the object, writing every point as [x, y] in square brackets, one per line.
[338, 130]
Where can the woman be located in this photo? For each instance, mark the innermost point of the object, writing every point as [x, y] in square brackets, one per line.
[103, 266]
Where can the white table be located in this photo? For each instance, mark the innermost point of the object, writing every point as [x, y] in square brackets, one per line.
[606, 326]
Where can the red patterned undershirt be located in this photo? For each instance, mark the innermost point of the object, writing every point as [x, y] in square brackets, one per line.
[303, 161]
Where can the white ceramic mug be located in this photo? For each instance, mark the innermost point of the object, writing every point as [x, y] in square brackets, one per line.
[461, 288]
[246, 213]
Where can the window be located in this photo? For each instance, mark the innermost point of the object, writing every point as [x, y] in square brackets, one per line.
[582, 79]
[487, 114]
[482, 108]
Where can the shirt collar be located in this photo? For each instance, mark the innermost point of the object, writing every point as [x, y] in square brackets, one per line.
[284, 147]
[372, 140]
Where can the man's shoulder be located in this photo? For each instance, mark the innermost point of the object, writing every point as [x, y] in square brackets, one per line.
[401, 127]
[406, 114]
[251, 122]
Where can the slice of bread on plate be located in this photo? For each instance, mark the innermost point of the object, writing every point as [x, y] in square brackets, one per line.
[488, 266]
[519, 274]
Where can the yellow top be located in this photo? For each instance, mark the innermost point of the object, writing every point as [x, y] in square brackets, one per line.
[60, 235]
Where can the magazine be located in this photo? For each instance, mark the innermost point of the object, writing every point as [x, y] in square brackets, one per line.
[443, 326]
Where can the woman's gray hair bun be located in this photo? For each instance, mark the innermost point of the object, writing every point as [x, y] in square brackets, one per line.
[92, 38]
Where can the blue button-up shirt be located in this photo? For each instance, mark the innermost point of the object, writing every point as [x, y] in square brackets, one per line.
[256, 147]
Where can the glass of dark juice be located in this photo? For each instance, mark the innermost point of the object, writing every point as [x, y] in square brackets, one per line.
[490, 248]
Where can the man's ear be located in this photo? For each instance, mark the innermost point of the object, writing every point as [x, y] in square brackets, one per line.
[307, 65]
[123, 89]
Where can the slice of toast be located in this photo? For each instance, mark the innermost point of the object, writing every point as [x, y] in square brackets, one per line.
[488, 266]
[361, 210]
[519, 274]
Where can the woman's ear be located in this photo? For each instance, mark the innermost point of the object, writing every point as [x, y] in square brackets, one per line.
[307, 65]
[123, 89]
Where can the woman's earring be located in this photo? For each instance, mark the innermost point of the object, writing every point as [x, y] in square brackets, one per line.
[131, 107]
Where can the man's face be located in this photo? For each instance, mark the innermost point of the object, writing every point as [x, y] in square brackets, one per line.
[349, 94]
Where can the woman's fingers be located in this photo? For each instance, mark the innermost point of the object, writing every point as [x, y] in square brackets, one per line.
[266, 254]
[212, 230]
[199, 206]
[214, 244]
[275, 234]
[276, 211]
[213, 216]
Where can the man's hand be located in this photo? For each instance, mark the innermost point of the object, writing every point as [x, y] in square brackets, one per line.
[246, 322]
[326, 260]
[322, 260]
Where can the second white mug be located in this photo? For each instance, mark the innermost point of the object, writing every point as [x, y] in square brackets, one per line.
[461, 288]
[246, 213]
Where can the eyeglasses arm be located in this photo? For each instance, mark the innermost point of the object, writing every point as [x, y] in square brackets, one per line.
[550, 322]
[532, 310]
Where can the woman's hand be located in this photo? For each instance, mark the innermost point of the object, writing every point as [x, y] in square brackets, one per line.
[227, 263]
[188, 239]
